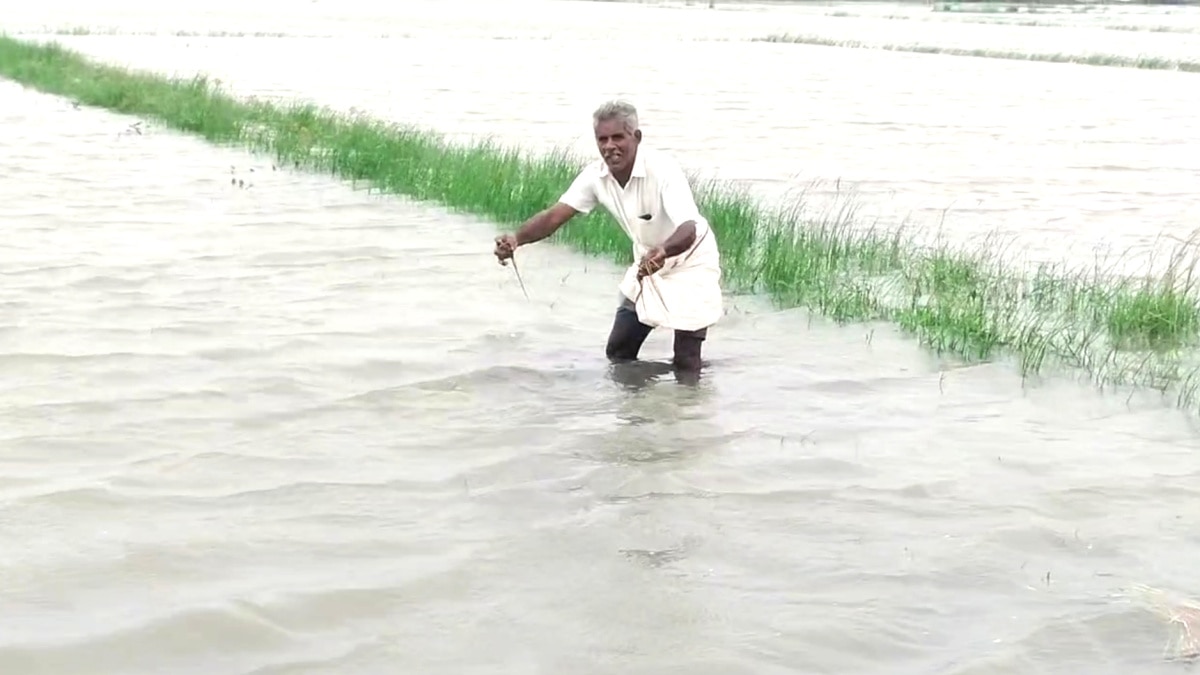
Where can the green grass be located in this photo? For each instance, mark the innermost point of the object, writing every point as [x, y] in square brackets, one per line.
[973, 304]
[1149, 63]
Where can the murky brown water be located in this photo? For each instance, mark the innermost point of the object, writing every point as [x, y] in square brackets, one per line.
[248, 430]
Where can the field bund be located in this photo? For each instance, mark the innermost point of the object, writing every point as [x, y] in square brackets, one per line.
[972, 304]
[1108, 60]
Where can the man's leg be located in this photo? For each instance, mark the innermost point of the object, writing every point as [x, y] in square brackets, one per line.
[628, 334]
[687, 349]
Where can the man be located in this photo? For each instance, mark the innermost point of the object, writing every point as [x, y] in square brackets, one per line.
[675, 280]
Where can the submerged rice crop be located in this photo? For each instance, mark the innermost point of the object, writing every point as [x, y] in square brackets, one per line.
[1146, 62]
[973, 304]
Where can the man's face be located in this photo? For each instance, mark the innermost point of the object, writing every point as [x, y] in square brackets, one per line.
[617, 146]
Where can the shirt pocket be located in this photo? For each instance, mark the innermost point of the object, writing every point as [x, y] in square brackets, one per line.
[649, 208]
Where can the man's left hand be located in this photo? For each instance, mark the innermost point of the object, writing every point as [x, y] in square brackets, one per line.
[652, 262]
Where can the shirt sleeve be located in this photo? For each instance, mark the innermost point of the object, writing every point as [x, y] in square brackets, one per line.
[581, 195]
[677, 198]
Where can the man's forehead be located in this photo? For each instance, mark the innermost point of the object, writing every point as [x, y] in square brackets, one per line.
[610, 127]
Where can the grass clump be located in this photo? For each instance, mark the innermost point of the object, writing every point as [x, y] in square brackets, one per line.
[1149, 63]
[972, 304]
[949, 304]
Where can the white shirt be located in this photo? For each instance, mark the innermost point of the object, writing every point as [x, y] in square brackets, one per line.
[686, 293]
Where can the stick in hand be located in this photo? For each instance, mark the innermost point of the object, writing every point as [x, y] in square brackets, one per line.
[505, 245]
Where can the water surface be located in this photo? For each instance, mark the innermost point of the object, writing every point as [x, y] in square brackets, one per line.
[280, 426]
[1042, 154]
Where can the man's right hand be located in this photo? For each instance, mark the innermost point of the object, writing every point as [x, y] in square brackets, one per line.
[505, 245]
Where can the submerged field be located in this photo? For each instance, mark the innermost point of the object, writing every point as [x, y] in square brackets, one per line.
[967, 302]
[304, 425]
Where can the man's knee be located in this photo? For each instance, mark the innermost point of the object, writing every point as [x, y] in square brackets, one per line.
[624, 345]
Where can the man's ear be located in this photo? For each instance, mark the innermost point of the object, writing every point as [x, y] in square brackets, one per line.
[638, 135]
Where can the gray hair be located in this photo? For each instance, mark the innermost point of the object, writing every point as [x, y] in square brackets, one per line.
[617, 110]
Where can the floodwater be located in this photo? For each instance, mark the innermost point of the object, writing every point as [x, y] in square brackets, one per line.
[257, 422]
[1044, 155]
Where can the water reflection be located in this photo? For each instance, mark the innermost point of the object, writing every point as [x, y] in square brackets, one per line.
[635, 376]
[655, 424]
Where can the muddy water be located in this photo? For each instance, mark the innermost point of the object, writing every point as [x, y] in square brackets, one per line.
[278, 426]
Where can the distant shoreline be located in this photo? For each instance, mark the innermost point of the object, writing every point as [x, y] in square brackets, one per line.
[719, 3]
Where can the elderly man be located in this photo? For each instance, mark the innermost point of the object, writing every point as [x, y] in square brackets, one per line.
[675, 279]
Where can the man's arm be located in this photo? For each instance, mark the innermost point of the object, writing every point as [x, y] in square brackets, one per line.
[541, 225]
[544, 223]
[580, 197]
[681, 239]
[680, 205]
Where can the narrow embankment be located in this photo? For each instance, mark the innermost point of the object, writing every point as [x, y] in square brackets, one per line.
[970, 303]
[1109, 60]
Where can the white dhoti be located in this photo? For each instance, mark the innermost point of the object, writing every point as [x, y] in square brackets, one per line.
[686, 293]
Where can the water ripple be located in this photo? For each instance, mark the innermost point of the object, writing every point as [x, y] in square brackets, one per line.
[298, 428]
